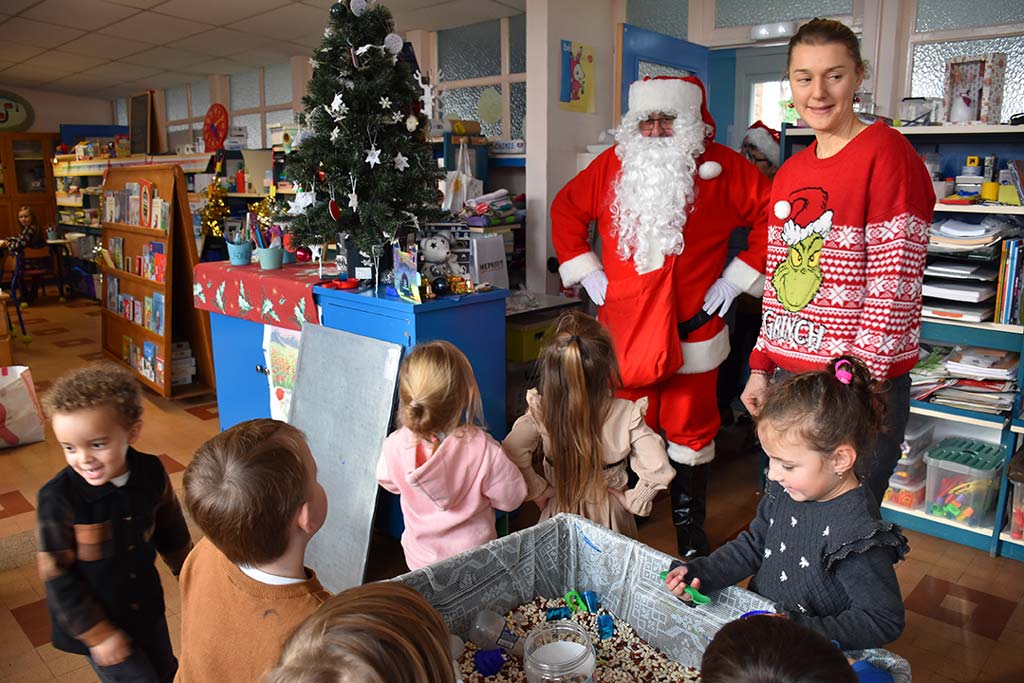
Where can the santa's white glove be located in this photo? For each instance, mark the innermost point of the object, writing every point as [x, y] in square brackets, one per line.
[596, 284]
[719, 297]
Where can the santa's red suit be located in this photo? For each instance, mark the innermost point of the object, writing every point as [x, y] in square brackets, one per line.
[727, 192]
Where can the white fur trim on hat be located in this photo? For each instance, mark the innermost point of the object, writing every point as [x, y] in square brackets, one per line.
[668, 95]
[765, 143]
[578, 267]
[684, 455]
[709, 170]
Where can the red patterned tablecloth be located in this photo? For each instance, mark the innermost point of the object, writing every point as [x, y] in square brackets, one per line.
[282, 297]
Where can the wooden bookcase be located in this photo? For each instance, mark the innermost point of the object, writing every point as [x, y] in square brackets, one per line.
[182, 322]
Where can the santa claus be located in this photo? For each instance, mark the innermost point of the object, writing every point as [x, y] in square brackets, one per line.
[665, 199]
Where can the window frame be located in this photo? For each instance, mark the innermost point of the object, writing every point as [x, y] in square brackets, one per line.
[263, 109]
[505, 79]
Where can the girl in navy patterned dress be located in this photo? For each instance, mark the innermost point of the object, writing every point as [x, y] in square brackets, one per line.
[817, 546]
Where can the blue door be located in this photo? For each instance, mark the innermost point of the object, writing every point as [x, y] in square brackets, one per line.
[647, 53]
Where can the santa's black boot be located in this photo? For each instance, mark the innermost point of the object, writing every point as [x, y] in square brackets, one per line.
[689, 491]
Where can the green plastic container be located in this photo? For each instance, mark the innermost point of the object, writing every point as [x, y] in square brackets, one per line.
[963, 480]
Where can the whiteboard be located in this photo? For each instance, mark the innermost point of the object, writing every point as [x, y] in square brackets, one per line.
[344, 400]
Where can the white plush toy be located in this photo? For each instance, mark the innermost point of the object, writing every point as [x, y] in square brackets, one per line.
[437, 255]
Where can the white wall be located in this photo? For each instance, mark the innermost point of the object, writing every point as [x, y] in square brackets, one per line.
[53, 109]
[554, 136]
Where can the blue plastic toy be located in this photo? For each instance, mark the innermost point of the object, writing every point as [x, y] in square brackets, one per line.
[590, 600]
[605, 627]
[556, 613]
[489, 662]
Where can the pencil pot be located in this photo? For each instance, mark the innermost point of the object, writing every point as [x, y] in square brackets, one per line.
[240, 254]
[270, 259]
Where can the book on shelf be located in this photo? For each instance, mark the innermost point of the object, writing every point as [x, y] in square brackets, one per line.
[145, 203]
[137, 311]
[963, 312]
[968, 292]
[980, 363]
[961, 271]
[158, 313]
[113, 292]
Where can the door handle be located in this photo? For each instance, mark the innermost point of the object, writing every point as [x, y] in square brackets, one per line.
[262, 370]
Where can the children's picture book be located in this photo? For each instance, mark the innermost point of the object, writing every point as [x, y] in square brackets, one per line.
[126, 348]
[148, 360]
[117, 252]
[158, 370]
[407, 279]
[158, 313]
[147, 312]
[145, 203]
[113, 291]
[133, 210]
[137, 310]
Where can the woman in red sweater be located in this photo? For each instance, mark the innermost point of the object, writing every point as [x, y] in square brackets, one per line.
[847, 241]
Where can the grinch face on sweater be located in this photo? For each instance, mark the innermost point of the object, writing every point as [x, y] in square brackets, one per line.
[798, 278]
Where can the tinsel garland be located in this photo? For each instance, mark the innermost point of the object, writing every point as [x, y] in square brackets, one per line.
[215, 210]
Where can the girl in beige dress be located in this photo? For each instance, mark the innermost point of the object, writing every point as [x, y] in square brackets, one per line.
[576, 439]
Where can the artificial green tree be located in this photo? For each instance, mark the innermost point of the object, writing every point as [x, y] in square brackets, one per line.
[362, 150]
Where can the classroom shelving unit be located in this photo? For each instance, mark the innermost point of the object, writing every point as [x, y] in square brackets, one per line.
[182, 322]
[955, 143]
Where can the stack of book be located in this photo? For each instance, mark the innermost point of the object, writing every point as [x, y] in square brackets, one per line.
[952, 236]
[183, 363]
[970, 378]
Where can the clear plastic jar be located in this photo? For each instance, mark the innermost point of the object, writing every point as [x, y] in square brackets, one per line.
[559, 652]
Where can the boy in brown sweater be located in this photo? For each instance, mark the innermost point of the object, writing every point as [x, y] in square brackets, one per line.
[245, 587]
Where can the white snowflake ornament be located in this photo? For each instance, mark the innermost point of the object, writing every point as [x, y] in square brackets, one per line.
[353, 200]
[373, 156]
[401, 162]
[302, 201]
[396, 117]
[337, 102]
[385, 103]
[335, 134]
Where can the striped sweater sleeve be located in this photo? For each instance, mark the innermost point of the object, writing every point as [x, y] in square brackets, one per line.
[68, 595]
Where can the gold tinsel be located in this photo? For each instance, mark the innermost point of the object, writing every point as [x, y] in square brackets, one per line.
[265, 211]
[215, 210]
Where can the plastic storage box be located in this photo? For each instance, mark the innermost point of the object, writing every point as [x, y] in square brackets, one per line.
[963, 480]
[567, 553]
[909, 496]
[917, 437]
[1017, 510]
[910, 470]
[525, 335]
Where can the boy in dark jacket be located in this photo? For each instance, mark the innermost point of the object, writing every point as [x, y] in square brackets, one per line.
[101, 521]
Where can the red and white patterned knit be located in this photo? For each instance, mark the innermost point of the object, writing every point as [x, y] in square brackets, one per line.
[846, 254]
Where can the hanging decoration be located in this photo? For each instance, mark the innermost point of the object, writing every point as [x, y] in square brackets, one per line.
[215, 210]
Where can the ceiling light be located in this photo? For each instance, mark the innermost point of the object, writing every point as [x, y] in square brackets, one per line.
[773, 31]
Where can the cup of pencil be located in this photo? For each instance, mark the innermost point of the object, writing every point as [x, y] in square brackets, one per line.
[269, 250]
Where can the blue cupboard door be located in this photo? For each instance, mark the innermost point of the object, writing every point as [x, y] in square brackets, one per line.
[376, 324]
[243, 393]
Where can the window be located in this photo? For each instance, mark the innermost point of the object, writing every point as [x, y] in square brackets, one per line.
[259, 98]
[482, 71]
[185, 106]
[121, 111]
[766, 99]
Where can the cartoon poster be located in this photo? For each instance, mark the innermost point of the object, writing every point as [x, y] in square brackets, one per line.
[577, 91]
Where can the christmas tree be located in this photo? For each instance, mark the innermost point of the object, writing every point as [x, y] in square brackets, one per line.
[362, 159]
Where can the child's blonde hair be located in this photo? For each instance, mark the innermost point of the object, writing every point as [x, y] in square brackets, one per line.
[376, 633]
[101, 384]
[437, 390]
[578, 377]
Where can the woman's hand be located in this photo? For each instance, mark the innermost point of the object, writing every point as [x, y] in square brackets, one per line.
[754, 393]
[676, 583]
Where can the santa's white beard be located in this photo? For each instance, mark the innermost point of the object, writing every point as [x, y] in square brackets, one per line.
[653, 190]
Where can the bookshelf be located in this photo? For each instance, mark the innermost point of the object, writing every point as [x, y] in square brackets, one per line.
[954, 143]
[148, 321]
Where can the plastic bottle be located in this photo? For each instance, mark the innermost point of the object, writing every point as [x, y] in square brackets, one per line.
[490, 631]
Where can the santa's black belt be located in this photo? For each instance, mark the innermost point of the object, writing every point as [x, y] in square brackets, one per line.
[693, 324]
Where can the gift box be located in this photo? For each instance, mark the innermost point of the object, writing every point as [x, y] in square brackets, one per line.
[568, 553]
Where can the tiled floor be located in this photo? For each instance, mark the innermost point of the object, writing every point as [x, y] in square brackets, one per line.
[965, 610]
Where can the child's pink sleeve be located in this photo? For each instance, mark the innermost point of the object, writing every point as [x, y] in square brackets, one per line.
[504, 485]
[383, 473]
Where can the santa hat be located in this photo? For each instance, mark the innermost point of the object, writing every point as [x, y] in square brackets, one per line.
[677, 96]
[806, 214]
[765, 140]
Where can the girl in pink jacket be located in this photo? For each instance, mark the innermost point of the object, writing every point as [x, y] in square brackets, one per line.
[450, 474]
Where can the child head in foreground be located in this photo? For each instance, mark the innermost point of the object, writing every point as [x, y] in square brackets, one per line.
[253, 491]
[376, 633]
[96, 414]
[815, 427]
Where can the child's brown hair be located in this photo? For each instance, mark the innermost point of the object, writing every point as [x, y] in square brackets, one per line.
[376, 633]
[244, 486]
[766, 648]
[828, 408]
[437, 390]
[93, 386]
[578, 377]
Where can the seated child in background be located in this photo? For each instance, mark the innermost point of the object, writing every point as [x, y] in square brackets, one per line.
[450, 474]
[585, 435]
[253, 491]
[376, 633]
[817, 546]
[766, 648]
[101, 521]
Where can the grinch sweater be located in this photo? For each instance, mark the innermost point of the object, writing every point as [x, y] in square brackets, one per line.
[846, 253]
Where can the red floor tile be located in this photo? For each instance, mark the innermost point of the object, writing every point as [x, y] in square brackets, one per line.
[966, 608]
[96, 355]
[49, 331]
[204, 412]
[80, 341]
[13, 503]
[34, 620]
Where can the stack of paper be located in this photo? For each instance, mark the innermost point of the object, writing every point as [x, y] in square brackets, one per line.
[956, 235]
[970, 378]
[978, 363]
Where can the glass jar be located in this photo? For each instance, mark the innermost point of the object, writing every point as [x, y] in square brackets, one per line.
[559, 652]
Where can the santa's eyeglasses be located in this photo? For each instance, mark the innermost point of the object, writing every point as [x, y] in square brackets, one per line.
[750, 153]
[665, 122]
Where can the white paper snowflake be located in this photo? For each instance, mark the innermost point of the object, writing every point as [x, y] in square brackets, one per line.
[335, 134]
[401, 161]
[353, 200]
[337, 102]
[385, 103]
[373, 156]
[396, 117]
